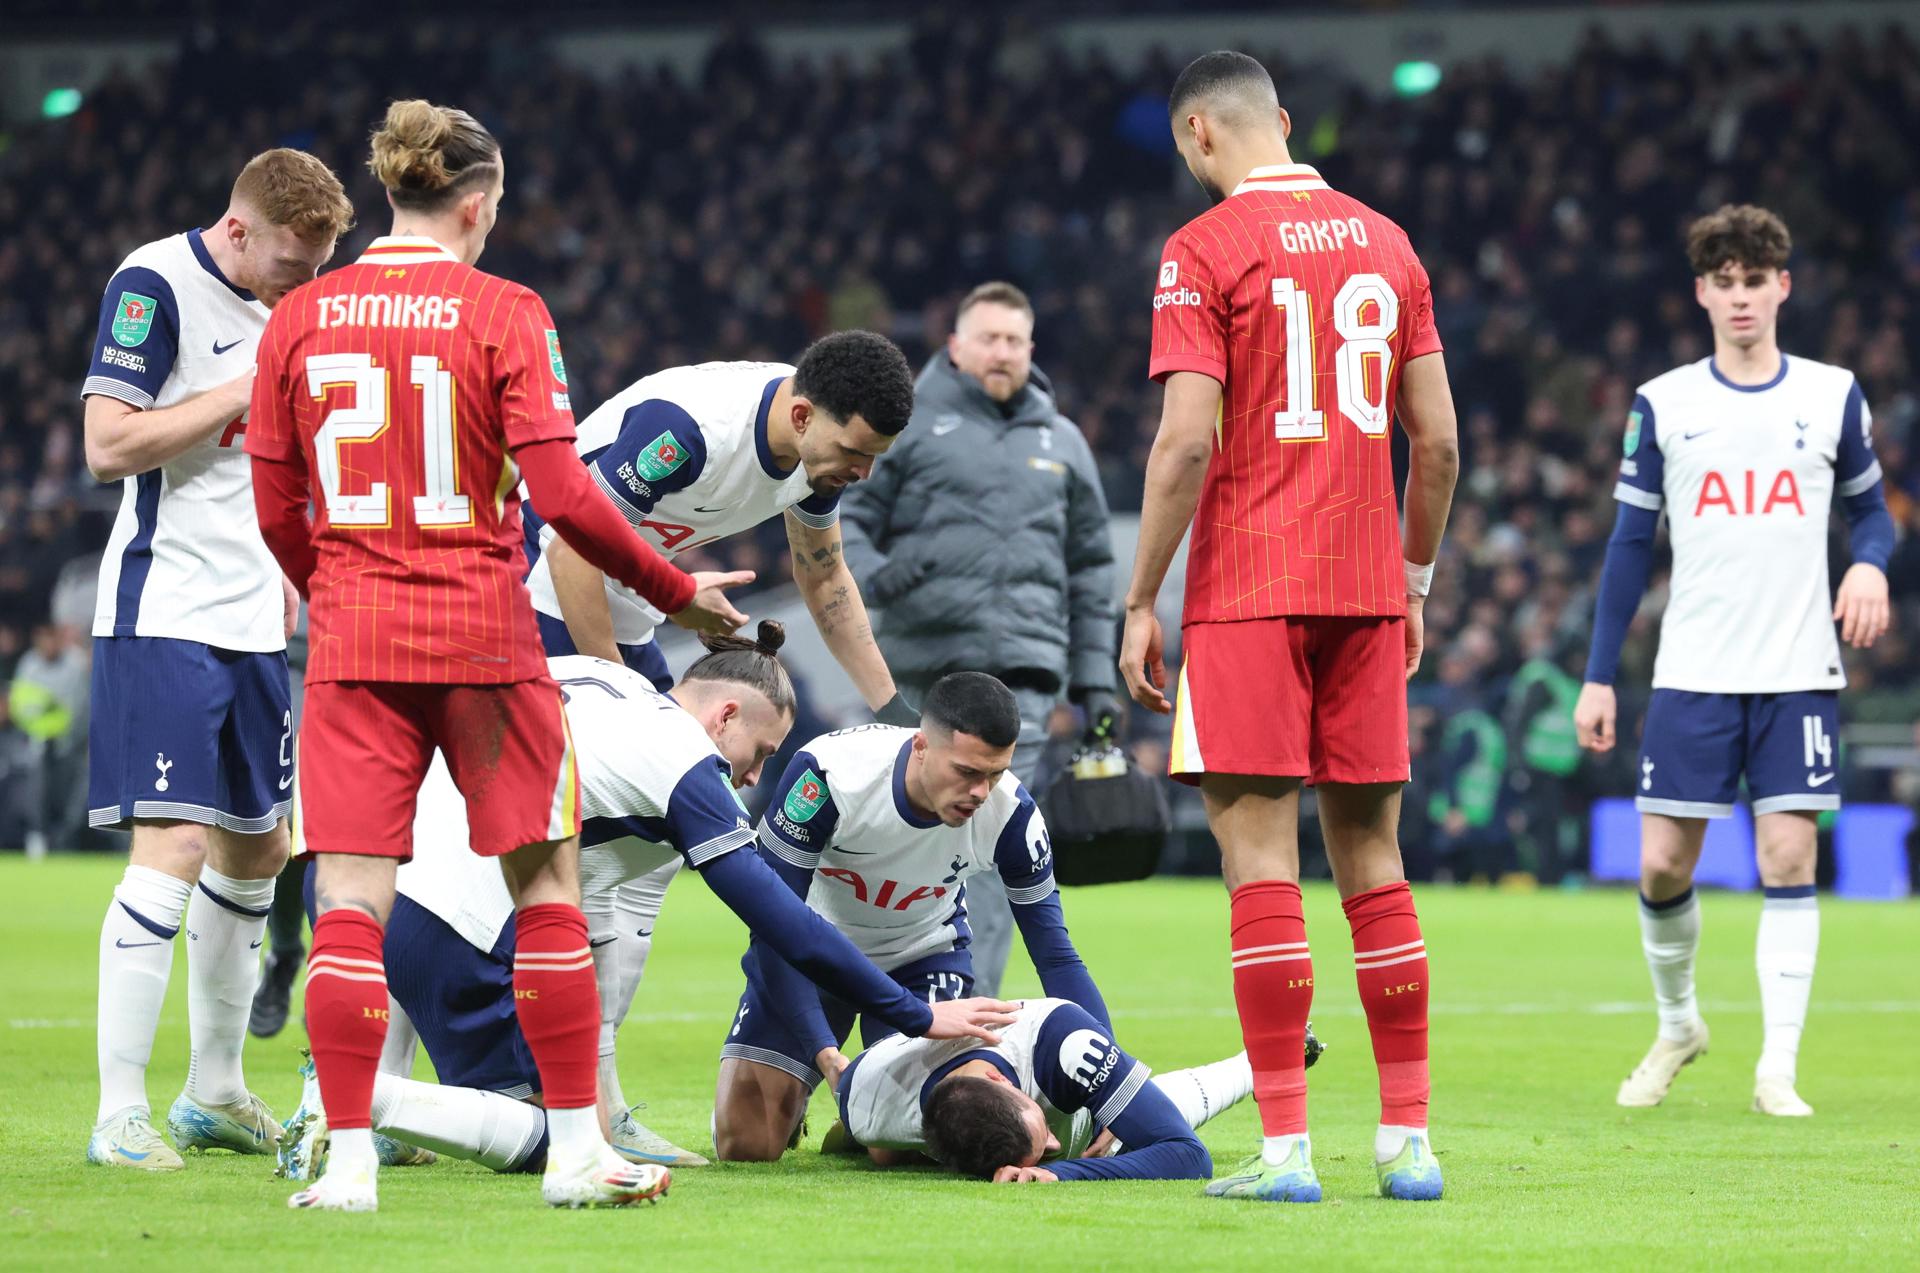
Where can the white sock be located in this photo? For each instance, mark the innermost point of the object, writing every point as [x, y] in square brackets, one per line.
[598, 910]
[1275, 1150]
[351, 1149]
[136, 958]
[1783, 955]
[485, 1127]
[403, 1042]
[1207, 1091]
[226, 924]
[629, 914]
[573, 1132]
[1670, 934]
[1389, 1139]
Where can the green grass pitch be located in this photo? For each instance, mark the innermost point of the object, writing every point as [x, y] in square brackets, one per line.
[1540, 1006]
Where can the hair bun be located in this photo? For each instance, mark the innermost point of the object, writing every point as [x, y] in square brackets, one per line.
[772, 635]
[407, 151]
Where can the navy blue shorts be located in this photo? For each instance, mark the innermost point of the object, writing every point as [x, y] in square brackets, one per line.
[1698, 746]
[460, 1000]
[644, 658]
[760, 1033]
[189, 732]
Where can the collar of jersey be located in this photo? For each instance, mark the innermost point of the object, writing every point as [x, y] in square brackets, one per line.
[405, 249]
[762, 444]
[1778, 376]
[205, 258]
[901, 805]
[1282, 177]
[993, 1058]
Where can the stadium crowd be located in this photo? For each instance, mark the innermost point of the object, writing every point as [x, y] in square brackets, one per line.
[669, 221]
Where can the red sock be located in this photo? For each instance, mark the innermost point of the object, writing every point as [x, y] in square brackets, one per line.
[1273, 986]
[347, 1013]
[558, 1002]
[1390, 963]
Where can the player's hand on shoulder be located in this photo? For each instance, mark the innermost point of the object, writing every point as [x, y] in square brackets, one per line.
[971, 1019]
[1593, 717]
[710, 610]
[1024, 1176]
[1861, 607]
[1142, 660]
[832, 1063]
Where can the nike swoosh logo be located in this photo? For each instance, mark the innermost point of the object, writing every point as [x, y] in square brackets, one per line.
[941, 430]
[1691, 436]
[605, 941]
[124, 944]
[644, 932]
[286, 782]
[219, 348]
[131, 1156]
[1821, 781]
[698, 509]
[254, 945]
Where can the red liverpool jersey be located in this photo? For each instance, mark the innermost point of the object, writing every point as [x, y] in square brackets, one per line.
[1304, 304]
[402, 381]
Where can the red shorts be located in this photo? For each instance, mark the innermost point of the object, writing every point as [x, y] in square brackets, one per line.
[1311, 697]
[365, 747]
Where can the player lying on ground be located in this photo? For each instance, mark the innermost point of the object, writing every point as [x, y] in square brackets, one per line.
[1291, 325]
[878, 828]
[189, 744]
[1056, 1090]
[1745, 452]
[657, 777]
[692, 455]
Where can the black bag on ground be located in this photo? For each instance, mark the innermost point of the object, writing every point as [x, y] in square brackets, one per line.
[1109, 820]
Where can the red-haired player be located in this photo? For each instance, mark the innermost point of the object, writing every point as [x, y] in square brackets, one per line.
[1291, 323]
[395, 388]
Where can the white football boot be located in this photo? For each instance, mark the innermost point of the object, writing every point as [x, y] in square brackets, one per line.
[1774, 1094]
[1647, 1085]
[601, 1178]
[636, 1142]
[128, 1139]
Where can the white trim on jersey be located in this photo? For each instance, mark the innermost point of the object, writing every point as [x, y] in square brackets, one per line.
[107, 387]
[1638, 498]
[1282, 177]
[1862, 483]
[703, 853]
[1122, 1096]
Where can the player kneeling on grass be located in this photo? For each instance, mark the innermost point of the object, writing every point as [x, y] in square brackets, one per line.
[657, 777]
[878, 828]
[1057, 1090]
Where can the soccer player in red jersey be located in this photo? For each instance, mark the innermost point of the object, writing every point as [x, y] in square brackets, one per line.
[1291, 324]
[395, 389]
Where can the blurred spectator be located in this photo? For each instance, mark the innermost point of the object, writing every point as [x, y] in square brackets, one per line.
[776, 197]
[48, 702]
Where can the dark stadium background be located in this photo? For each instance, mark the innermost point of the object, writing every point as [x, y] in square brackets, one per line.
[729, 194]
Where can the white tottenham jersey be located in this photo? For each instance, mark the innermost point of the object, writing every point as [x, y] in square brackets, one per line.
[684, 455]
[1747, 475]
[1056, 1053]
[186, 559]
[651, 786]
[892, 881]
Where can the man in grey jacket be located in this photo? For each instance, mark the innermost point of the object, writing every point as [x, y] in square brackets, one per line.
[981, 539]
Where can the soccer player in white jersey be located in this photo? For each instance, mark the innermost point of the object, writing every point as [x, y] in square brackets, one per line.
[190, 744]
[1055, 1099]
[657, 780]
[1744, 452]
[878, 828]
[692, 455]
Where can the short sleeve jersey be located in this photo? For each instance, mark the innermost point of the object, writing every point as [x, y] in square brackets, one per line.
[1305, 305]
[402, 382]
[684, 455]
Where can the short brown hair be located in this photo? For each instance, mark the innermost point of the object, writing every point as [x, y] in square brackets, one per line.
[995, 293]
[293, 189]
[1739, 234]
[427, 156]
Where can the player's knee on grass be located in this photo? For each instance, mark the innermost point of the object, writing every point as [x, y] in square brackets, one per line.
[755, 1111]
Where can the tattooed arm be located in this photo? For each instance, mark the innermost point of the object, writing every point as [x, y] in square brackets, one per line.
[833, 598]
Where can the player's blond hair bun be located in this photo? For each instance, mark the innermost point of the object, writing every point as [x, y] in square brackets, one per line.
[425, 154]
